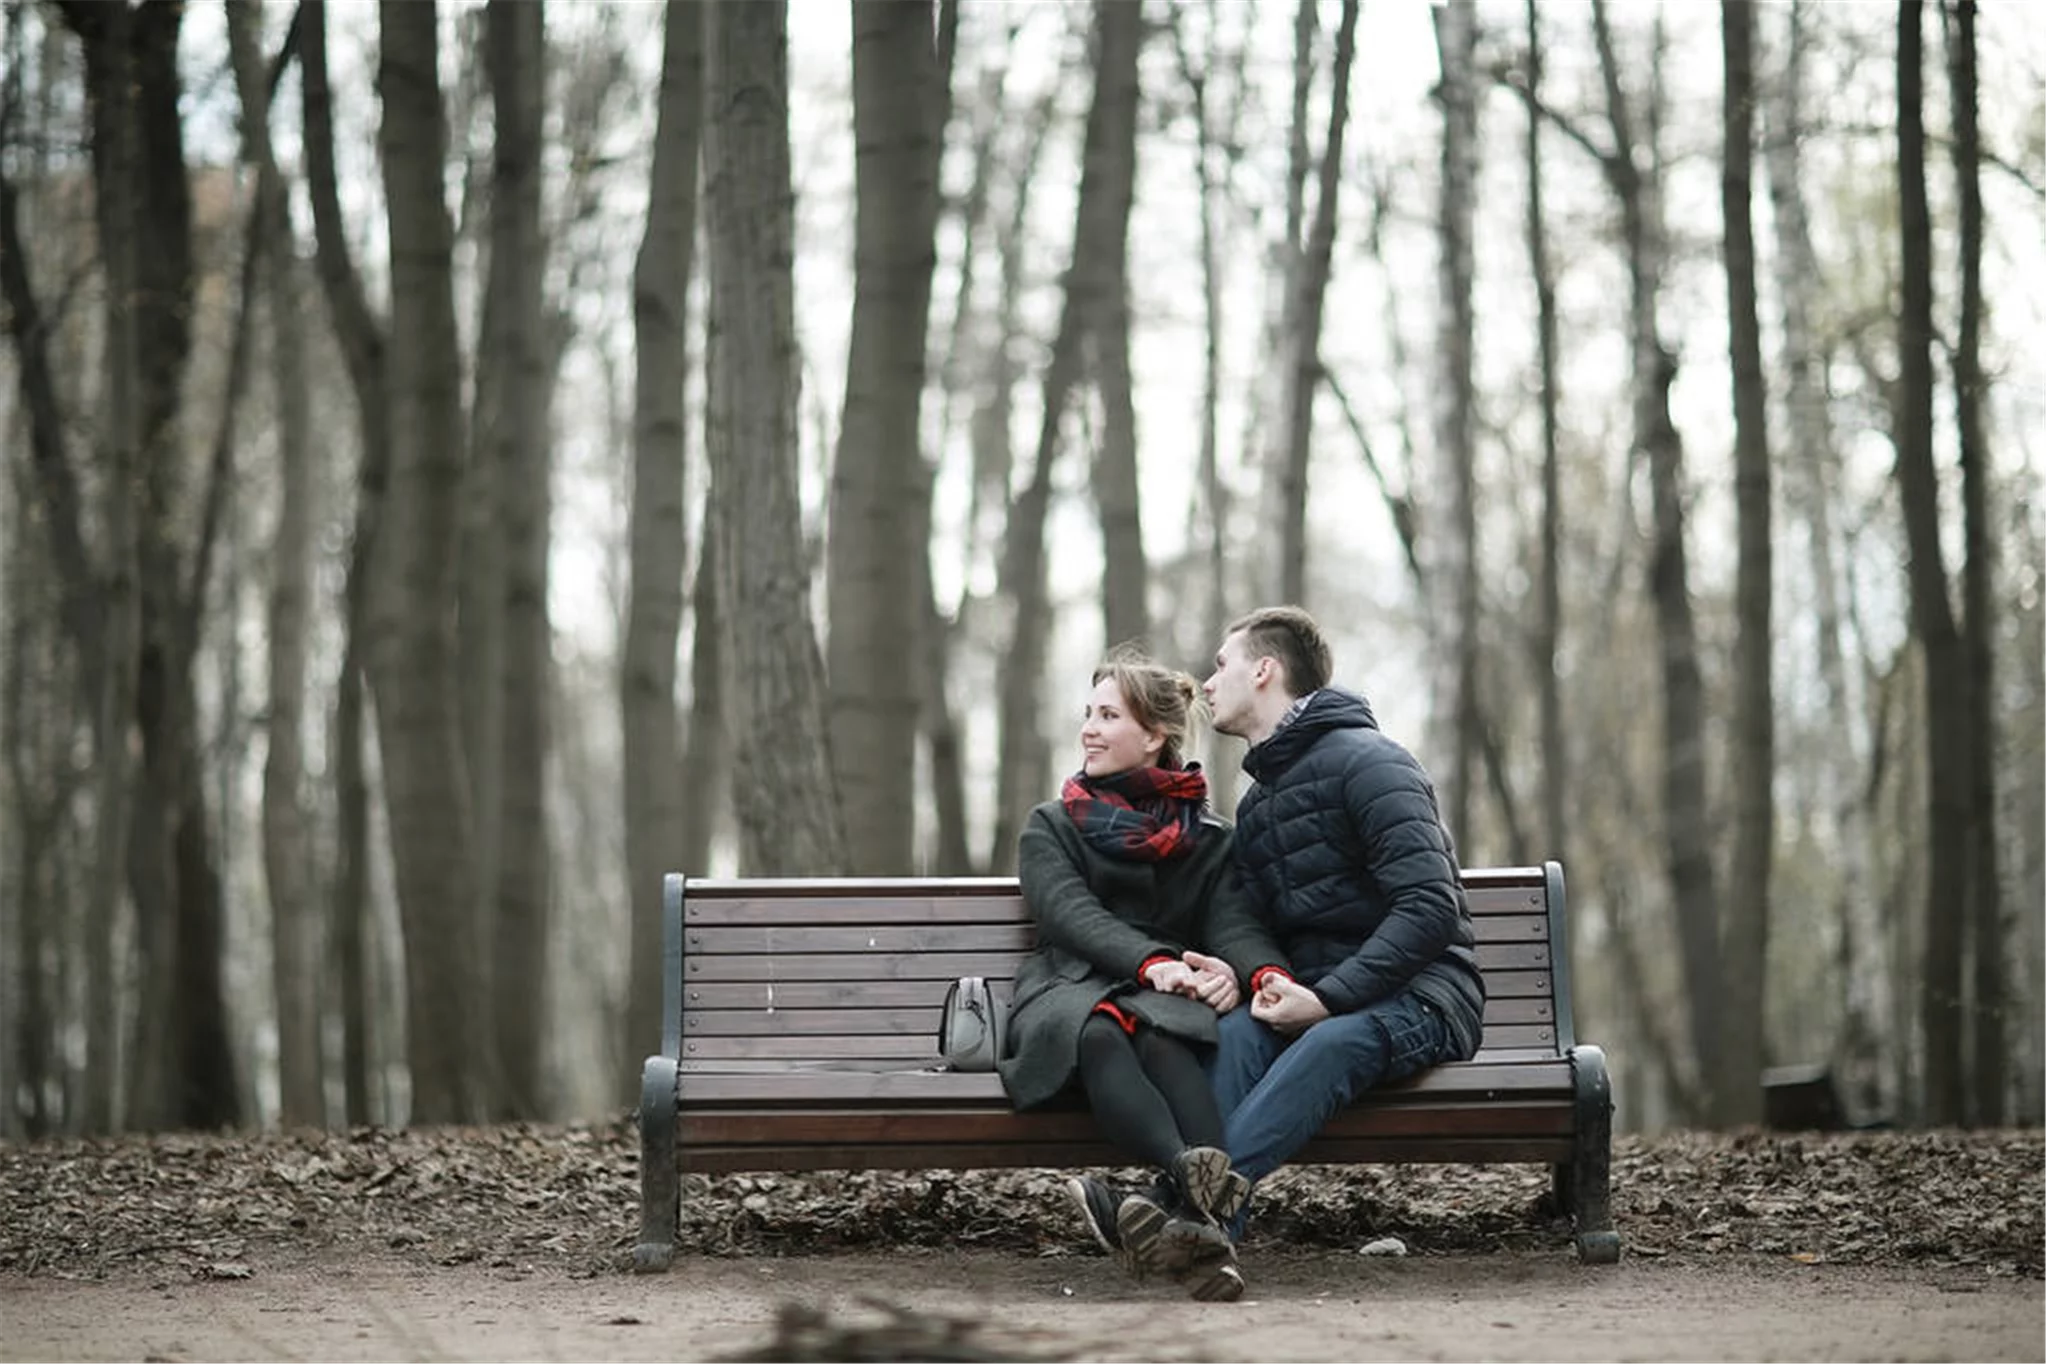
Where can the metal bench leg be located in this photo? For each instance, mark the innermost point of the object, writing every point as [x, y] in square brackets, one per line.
[659, 1186]
[1588, 1183]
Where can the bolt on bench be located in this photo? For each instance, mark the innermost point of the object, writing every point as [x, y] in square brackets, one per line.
[800, 1023]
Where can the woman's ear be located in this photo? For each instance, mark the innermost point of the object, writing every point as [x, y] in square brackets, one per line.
[1154, 744]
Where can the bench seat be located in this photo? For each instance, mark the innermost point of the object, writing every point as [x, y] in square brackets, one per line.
[801, 1019]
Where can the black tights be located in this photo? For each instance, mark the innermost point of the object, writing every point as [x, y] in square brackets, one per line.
[1148, 1091]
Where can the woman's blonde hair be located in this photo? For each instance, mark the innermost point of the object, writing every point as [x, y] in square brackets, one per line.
[1159, 698]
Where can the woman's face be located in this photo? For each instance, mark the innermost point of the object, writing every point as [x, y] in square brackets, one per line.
[1111, 740]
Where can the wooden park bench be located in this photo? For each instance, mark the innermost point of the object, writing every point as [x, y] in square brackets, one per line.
[800, 1032]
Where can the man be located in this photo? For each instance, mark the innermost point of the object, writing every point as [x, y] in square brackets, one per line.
[1342, 852]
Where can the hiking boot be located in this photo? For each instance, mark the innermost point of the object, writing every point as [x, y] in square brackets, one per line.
[1209, 1185]
[1156, 1242]
[1097, 1204]
[1221, 1282]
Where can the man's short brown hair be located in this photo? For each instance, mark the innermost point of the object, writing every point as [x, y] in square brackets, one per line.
[1289, 635]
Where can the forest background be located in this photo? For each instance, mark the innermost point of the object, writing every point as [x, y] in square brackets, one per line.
[462, 461]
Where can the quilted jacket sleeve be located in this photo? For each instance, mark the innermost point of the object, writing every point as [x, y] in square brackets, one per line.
[1408, 861]
[1231, 929]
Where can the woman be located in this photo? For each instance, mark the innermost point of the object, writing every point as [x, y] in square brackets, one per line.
[1127, 876]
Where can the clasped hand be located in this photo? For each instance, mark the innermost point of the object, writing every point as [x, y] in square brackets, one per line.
[1285, 1005]
[1198, 976]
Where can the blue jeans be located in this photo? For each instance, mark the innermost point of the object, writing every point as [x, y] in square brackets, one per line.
[1276, 1092]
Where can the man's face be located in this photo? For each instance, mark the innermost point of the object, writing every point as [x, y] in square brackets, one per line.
[1232, 687]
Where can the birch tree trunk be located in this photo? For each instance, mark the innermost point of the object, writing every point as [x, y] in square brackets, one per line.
[1947, 735]
[361, 336]
[788, 812]
[412, 654]
[878, 488]
[1455, 571]
[659, 518]
[1745, 938]
[1990, 1044]
[1303, 333]
[287, 838]
[519, 436]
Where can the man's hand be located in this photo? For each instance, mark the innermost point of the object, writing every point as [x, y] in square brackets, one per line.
[1214, 981]
[1286, 1005]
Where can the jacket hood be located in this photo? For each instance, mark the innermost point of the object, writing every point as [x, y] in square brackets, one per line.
[1314, 715]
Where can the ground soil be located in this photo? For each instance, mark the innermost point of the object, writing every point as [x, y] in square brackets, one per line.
[514, 1243]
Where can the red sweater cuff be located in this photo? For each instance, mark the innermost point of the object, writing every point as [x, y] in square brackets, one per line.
[1257, 977]
[1147, 963]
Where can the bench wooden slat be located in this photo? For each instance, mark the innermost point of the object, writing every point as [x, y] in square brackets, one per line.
[843, 1084]
[998, 1126]
[889, 994]
[745, 912]
[1519, 985]
[982, 900]
[920, 1019]
[946, 966]
[917, 1048]
[1012, 936]
[900, 889]
[1430, 1148]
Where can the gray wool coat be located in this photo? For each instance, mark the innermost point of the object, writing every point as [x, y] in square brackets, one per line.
[1098, 919]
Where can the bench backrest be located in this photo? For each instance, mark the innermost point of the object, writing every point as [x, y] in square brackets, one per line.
[853, 972]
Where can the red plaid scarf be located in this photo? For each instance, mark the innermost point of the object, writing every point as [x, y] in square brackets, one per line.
[1147, 814]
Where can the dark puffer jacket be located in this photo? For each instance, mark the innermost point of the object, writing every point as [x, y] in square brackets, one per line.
[1343, 854]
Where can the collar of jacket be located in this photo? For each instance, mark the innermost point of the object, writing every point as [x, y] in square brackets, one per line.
[1312, 716]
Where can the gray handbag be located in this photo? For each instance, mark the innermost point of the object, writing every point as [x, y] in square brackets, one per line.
[971, 1028]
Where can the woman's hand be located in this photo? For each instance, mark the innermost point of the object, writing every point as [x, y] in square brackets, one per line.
[1169, 976]
[1214, 981]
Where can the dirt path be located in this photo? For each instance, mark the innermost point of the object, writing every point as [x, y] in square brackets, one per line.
[1320, 1306]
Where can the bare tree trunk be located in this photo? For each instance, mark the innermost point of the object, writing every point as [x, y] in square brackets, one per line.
[1813, 456]
[1208, 519]
[937, 726]
[707, 757]
[877, 482]
[1098, 224]
[1687, 832]
[99, 604]
[287, 839]
[184, 1067]
[361, 337]
[1103, 278]
[1947, 736]
[659, 528]
[519, 359]
[1990, 1047]
[1745, 939]
[788, 813]
[1549, 614]
[1303, 332]
[412, 653]
[1455, 576]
